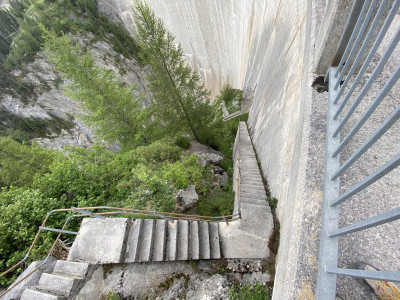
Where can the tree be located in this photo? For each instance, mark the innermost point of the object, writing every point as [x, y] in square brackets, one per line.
[181, 103]
[19, 164]
[115, 114]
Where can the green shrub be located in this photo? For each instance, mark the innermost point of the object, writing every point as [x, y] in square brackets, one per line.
[183, 142]
[22, 211]
[158, 151]
[248, 291]
[218, 203]
[19, 164]
[186, 172]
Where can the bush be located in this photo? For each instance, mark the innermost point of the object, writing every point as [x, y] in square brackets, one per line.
[20, 163]
[218, 203]
[22, 211]
[183, 142]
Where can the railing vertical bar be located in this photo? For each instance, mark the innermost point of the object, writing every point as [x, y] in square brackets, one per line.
[379, 173]
[359, 33]
[370, 55]
[387, 217]
[388, 123]
[379, 275]
[378, 99]
[326, 285]
[378, 69]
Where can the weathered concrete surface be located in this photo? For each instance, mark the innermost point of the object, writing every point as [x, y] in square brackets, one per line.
[99, 241]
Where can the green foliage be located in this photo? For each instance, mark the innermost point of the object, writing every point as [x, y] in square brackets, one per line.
[20, 163]
[158, 151]
[248, 291]
[181, 103]
[186, 172]
[221, 134]
[114, 113]
[22, 211]
[273, 202]
[183, 141]
[232, 97]
[62, 16]
[218, 203]
[112, 296]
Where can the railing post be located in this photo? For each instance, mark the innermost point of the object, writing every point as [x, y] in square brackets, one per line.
[328, 253]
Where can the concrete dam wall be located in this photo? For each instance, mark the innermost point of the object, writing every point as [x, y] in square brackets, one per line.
[265, 46]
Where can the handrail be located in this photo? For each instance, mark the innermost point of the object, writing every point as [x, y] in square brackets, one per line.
[85, 211]
[334, 195]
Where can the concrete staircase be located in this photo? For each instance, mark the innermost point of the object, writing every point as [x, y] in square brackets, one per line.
[123, 240]
[66, 279]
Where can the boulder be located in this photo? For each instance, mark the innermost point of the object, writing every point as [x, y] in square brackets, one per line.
[187, 198]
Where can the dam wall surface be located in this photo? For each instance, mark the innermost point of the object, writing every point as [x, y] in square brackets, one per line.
[264, 46]
[267, 47]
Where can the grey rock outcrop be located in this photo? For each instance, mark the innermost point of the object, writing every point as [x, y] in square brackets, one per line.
[187, 198]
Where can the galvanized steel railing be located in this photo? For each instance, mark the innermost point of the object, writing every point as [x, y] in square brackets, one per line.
[342, 104]
[87, 211]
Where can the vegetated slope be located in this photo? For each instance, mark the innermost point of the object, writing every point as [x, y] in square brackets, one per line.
[32, 103]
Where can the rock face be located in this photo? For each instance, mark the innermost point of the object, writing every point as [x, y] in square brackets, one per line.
[187, 198]
[49, 102]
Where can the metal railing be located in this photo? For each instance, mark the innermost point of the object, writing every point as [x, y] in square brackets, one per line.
[344, 97]
[87, 211]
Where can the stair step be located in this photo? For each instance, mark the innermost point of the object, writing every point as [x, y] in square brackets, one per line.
[172, 232]
[183, 240]
[253, 201]
[160, 239]
[57, 284]
[253, 195]
[31, 294]
[132, 247]
[194, 240]
[252, 190]
[75, 269]
[215, 249]
[254, 185]
[146, 240]
[204, 241]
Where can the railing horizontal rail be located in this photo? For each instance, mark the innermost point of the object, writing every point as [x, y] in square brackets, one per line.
[385, 126]
[379, 173]
[378, 99]
[379, 275]
[368, 223]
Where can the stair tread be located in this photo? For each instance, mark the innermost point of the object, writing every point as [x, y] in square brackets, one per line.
[146, 240]
[172, 231]
[204, 241]
[159, 240]
[33, 294]
[56, 284]
[132, 249]
[215, 250]
[183, 240]
[194, 240]
[76, 269]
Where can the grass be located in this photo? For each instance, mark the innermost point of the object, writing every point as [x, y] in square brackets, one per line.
[248, 291]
